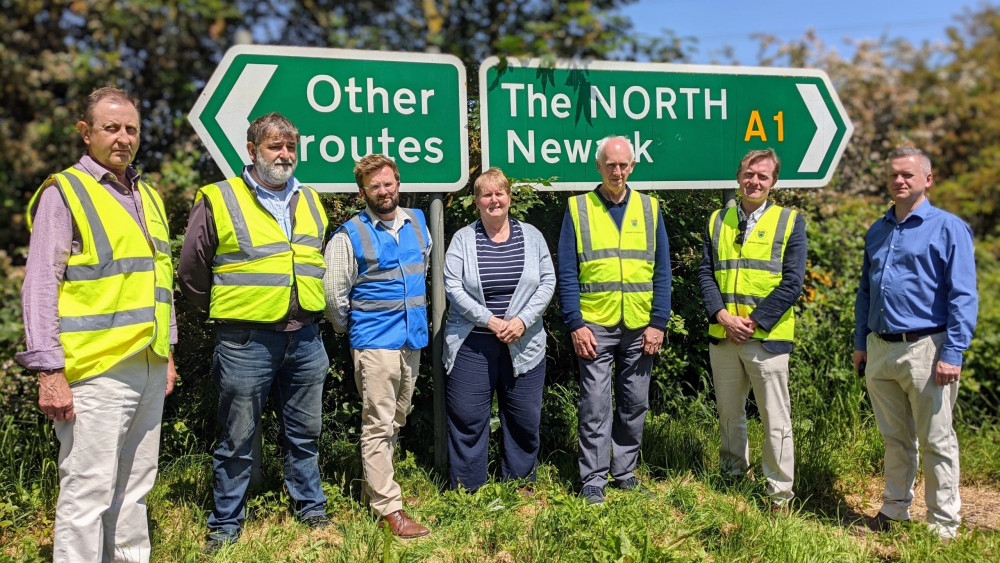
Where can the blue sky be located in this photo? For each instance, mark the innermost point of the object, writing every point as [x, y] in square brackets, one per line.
[717, 23]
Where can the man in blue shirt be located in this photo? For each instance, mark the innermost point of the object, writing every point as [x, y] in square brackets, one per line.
[914, 315]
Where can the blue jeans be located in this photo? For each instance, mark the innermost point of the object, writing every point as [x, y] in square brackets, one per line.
[482, 366]
[247, 365]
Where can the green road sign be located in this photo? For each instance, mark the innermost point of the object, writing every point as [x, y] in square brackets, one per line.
[690, 125]
[346, 104]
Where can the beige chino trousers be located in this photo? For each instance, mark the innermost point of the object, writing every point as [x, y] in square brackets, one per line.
[385, 380]
[735, 369]
[914, 414]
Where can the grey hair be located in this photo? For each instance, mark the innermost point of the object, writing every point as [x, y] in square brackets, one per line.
[604, 143]
[907, 151]
[268, 125]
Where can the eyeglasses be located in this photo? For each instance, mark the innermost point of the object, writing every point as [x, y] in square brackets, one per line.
[743, 231]
[377, 187]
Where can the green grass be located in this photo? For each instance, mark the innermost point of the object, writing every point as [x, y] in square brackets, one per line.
[695, 515]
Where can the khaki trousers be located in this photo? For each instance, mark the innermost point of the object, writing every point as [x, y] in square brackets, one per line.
[107, 462]
[385, 380]
[735, 369]
[914, 414]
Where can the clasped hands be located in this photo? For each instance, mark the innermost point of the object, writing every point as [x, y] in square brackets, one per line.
[738, 329]
[585, 343]
[507, 331]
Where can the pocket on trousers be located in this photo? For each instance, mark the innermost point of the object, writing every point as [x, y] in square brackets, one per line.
[236, 338]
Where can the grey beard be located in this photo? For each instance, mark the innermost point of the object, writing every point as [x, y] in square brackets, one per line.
[271, 174]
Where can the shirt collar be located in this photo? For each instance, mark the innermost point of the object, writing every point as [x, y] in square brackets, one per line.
[100, 173]
[757, 213]
[396, 223]
[921, 212]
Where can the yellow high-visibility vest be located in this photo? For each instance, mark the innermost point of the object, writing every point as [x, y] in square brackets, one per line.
[616, 267]
[255, 264]
[748, 273]
[116, 294]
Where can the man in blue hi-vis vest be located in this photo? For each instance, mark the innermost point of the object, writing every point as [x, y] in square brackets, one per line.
[375, 287]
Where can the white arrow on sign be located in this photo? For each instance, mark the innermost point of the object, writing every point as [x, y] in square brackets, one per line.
[234, 114]
[826, 128]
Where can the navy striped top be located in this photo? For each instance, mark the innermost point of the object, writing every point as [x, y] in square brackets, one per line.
[500, 266]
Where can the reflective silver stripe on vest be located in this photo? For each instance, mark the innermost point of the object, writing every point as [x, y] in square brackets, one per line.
[740, 299]
[106, 266]
[164, 295]
[307, 240]
[416, 228]
[376, 305]
[590, 254]
[393, 274]
[261, 251]
[624, 287]
[161, 246]
[149, 194]
[247, 251]
[623, 254]
[90, 272]
[315, 215]
[773, 265]
[367, 246]
[717, 236]
[105, 321]
[309, 271]
[251, 278]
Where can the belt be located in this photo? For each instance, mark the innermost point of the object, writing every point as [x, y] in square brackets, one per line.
[910, 336]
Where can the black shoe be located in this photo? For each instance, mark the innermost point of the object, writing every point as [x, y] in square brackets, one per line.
[317, 522]
[880, 523]
[214, 544]
[632, 484]
[593, 495]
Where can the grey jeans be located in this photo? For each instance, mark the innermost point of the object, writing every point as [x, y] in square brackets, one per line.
[604, 429]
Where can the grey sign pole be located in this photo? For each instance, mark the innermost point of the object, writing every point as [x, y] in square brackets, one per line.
[438, 304]
[728, 198]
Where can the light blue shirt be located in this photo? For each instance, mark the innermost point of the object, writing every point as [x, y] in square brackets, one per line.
[918, 274]
[277, 203]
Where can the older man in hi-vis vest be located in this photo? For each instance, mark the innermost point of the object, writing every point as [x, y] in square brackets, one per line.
[614, 291]
[98, 315]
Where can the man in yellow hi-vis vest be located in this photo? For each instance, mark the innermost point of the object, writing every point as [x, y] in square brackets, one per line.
[253, 257]
[99, 325]
[751, 273]
[614, 291]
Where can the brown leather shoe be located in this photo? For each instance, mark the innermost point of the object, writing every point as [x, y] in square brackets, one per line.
[403, 526]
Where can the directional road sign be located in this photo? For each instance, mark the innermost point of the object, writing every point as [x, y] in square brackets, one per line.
[346, 104]
[690, 125]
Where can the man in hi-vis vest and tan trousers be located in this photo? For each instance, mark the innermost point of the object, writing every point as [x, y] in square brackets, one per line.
[98, 316]
[751, 273]
[614, 291]
[253, 256]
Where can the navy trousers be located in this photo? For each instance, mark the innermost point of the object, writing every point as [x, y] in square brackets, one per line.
[482, 367]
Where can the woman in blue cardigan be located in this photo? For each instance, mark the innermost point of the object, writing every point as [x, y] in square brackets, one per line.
[499, 278]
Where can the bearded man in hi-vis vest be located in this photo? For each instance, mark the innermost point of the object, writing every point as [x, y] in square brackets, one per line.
[253, 257]
[99, 324]
[751, 273]
[614, 291]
